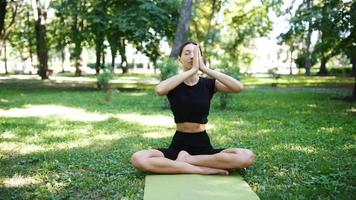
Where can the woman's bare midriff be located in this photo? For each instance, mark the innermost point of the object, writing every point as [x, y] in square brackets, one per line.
[190, 127]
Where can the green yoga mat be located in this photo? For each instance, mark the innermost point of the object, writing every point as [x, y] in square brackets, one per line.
[197, 187]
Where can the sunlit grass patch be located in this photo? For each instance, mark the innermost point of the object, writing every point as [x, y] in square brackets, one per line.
[64, 144]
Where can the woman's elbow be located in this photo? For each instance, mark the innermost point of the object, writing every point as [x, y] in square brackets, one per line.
[239, 88]
[159, 91]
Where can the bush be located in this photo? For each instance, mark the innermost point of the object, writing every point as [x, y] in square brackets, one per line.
[340, 71]
[168, 68]
[104, 78]
[300, 60]
[273, 72]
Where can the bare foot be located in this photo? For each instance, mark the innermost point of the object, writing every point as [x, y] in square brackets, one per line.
[182, 156]
[208, 170]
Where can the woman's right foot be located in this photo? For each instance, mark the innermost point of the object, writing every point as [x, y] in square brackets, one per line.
[208, 170]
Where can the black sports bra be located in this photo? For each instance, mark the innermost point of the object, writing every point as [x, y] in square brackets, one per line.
[192, 103]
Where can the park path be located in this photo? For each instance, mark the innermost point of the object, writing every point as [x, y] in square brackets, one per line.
[132, 82]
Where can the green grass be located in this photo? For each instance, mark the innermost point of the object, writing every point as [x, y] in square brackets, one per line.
[147, 81]
[301, 81]
[58, 143]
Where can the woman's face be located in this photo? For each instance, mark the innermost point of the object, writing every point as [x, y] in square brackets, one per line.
[186, 58]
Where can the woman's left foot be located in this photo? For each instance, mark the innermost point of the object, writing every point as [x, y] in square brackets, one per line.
[182, 156]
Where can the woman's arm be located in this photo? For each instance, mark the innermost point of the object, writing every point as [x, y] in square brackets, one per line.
[223, 83]
[167, 85]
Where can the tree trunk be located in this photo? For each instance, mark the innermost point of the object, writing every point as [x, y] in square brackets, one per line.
[98, 51]
[29, 38]
[63, 59]
[103, 57]
[182, 28]
[323, 71]
[353, 62]
[113, 56]
[3, 4]
[41, 42]
[291, 62]
[78, 43]
[112, 62]
[308, 56]
[5, 58]
[122, 51]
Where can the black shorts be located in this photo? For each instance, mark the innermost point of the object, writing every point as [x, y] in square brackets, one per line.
[193, 143]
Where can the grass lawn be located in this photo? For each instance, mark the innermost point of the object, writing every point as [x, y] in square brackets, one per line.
[58, 143]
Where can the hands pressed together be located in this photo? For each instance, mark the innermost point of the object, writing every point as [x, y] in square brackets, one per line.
[198, 63]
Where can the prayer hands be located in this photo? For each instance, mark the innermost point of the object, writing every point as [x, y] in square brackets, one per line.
[198, 62]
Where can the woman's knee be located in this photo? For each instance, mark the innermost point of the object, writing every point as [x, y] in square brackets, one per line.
[240, 158]
[140, 158]
[248, 158]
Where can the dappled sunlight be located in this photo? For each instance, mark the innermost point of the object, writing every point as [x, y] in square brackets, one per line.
[18, 181]
[105, 137]
[44, 111]
[311, 105]
[32, 148]
[4, 100]
[349, 147]
[264, 131]
[80, 143]
[157, 134]
[239, 122]
[351, 110]
[329, 129]
[63, 79]
[77, 114]
[10, 147]
[137, 94]
[20, 77]
[294, 147]
[80, 131]
[7, 135]
[19, 148]
[147, 120]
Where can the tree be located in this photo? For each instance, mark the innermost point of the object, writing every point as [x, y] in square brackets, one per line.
[97, 21]
[204, 26]
[302, 24]
[23, 33]
[228, 30]
[327, 16]
[182, 28]
[140, 23]
[60, 35]
[40, 15]
[73, 16]
[9, 10]
[154, 17]
[347, 28]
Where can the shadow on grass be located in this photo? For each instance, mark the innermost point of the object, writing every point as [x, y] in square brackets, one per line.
[99, 168]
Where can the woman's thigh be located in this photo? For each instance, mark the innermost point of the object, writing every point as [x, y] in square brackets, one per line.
[243, 154]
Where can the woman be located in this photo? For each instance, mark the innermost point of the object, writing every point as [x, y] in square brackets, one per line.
[189, 95]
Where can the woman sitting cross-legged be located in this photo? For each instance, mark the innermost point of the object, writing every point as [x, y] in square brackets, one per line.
[190, 151]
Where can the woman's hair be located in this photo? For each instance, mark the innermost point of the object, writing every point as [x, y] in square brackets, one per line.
[185, 44]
